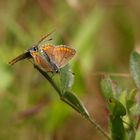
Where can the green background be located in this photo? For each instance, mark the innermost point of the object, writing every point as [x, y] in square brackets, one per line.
[103, 33]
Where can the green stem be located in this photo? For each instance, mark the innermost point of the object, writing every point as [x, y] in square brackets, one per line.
[97, 126]
[55, 87]
[49, 79]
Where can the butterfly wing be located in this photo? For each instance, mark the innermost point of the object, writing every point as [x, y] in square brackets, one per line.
[48, 49]
[59, 55]
[62, 55]
[41, 62]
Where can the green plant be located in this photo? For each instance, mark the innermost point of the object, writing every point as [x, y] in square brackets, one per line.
[69, 97]
[64, 88]
[122, 104]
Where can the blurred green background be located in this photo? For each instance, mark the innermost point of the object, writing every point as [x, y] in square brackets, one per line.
[103, 33]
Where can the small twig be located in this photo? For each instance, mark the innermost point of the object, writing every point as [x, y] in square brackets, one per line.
[126, 75]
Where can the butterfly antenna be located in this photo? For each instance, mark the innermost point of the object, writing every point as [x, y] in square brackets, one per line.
[44, 37]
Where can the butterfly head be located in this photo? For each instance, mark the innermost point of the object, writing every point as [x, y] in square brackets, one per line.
[33, 49]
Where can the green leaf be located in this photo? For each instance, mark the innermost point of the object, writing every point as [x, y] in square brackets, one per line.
[116, 107]
[136, 109]
[117, 128]
[106, 87]
[116, 123]
[135, 67]
[66, 78]
[75, 102]
[130, 101]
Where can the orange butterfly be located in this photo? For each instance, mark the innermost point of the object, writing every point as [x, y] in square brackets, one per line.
[52, 58]
[49, 57]
[59, 55]
[42, 61]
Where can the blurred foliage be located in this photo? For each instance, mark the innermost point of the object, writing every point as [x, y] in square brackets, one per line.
[103, 33]
[123, 104]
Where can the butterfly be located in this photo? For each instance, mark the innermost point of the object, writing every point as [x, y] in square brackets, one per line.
[59, 55]
[49, 57]
[52, 58]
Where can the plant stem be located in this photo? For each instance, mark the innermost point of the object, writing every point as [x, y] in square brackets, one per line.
[125, 75]
[49, 79]
[97, 126]
[55, 87]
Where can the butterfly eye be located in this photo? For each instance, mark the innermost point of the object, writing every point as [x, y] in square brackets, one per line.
[35, 48]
